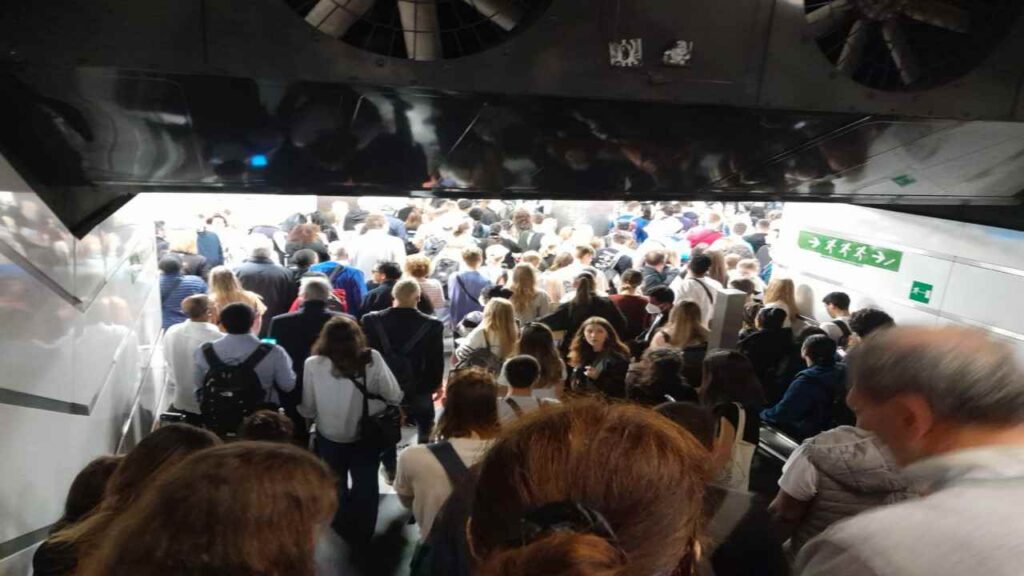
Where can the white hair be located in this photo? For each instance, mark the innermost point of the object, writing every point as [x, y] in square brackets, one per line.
[260, 246]
[315, 288]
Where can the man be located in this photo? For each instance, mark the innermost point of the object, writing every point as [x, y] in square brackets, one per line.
[659, 305]
[837, 304]
[521, 372]
[865, 322]
[273, 282]
[698, 287]
[300, 263]
[757, 239]
[180, 344]
[296, 332]
[656, 272]
[949, 404]
[274, 371]
[375, 245]
[465, 288]
[175, 287]
[341, 275]
[380, 297]
[412, 344]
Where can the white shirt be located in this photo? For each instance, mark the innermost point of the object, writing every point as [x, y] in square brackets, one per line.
[180, 344]
[476, 340]
[374, 247]
[421, 477]
[691, 289]
[799, 477]
[526, 403]
[336, 404]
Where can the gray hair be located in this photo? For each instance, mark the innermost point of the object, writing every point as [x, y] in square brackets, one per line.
[260, 246]
[315, 288]
[964, 374]
[337, 250]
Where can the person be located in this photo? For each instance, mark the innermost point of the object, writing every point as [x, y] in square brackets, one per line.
[656, 272]
[412, 344]
[181, 342]
[175, 287]
[271, 485]
[586, 303]
[380, 297]
[296, 332]
[226, 289]
[267, 426]
[781, 293]
[208, 243]
[160, 451]
[428, 473]
[750, 269]
[183, 245]
[300, 263]
[698, 287]
[660, 377]
[806, 408]
[949, 404]
[84, 496]
[497, 332]
[708, 233]
[374, 245]
[537, 340]
[570, 491]
[757, 238]
[494, 268]
[684, 329]
[631, 303]
[305, 237]
[837, 305]
[273, 282]
[522, 374]
[528, 302]
[418, 267]
[466, 287]
[335, 377]
[558, 275]
[599, 359]
[770, 350]
[659, 306]
[745, 285]
[867, 321]
[274, 370]
[742, 539]
[731, 391]
[719, 271]
[341, 275]
[337, 300]
[751, 313]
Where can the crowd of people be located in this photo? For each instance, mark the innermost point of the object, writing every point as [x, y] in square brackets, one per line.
[588, 425]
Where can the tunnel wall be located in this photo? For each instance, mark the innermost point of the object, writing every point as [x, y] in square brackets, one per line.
[975, 274]
[80, 370]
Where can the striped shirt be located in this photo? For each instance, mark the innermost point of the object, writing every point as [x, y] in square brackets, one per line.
[173, 289]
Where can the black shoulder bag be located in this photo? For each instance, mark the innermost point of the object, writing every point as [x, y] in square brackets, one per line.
[381, 430]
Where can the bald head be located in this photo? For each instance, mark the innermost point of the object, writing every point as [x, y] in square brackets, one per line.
[963, 374]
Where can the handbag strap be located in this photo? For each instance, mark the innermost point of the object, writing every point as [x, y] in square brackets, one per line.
[453, 466]
[514, 406]
[706, 289]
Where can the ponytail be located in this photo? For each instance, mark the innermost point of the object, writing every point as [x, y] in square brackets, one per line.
[584, 290]
[558, 554]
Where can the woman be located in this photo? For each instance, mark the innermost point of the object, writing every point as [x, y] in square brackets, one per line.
[599, 359]
[660, 377]
[465, 431]
[418, 267]
[497, 332]
[781, 293]
[772, 352]
[183, 243]
[554, 279]
[240, 509]
[226, 289]
[587, 489]
[155, 454]
[719, 272]
[570, 315]
[631, 303]
[528, 303]
[334, 380]
[306, 237]
[537, 340]
[684, 328]
[730, 389]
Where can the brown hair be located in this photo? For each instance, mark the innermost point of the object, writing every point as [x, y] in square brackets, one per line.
[267, 426]
[87, 489]
[417, 266]
[582, 353]
[472, 256]
[538, 341]
[236, 510]
[343, 342]
[782, 290]
[718, 271]
[685, 325]
[470, 405]
[524, 287]
[644, 474]
[304, 234]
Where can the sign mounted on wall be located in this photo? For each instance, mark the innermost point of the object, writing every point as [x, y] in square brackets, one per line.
[626, 53]
[850, 251]
[921, 292]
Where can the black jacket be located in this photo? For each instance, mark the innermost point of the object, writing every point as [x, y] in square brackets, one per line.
[380, 299]
[653, 278]
[426, 357]
[612, 380]
[194, 265]
[296, 332]
[568, 317]
[271, 281]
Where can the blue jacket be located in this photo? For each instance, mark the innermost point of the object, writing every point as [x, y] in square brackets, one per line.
[209, 247]
[806, 408]
[351, 280]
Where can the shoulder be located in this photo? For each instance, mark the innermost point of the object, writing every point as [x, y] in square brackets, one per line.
[413, 458]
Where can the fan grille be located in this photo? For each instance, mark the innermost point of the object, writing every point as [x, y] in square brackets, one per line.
[905, 45]
[421, 29]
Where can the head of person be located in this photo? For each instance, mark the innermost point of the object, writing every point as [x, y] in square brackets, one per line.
[748, 267]
[87, 489]
[655, 259]
[631, 281]
[464, 205]
[314, 288]
[739, 228]
[926, 391]
[522, 372]
[342, 341]
[499, 323]
[337, 251]
[818, 350]
[522, 219]
[183, 241]
[538, 341]
[686, 324]
[237, 318]
[867, 321]
[243, 489]
[699, 265]
[589, 488]
[771, 318]
[751, 313]
[660, 299]
[197, 307]
[562, 260]
[260, 247]
[470, 405]
[472, 257]
[693, 418]
[744, 285]
[170, 264]
[304, 233]
[595, 336]
[406, 293]
[375, 222]
[267, 426]
[584, 254]
[837, 304]
[524, 286]
[662, 368]
[224, 283]
[729, 376]
[417, 266]
[304, 258]
[732, 260]
[531, 257]
[781, 290]
[621, 238]
[763, 225]
[390, 271]
[496, 254]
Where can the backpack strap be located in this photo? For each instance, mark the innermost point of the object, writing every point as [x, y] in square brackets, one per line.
[212, 360]
[450, 461]
[256, 357]
[378, 327]
[706, 290]
[335, 273]
[843, 326]
[514, 406]
[407, 348]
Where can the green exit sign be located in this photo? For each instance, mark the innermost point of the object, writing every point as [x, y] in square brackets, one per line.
[850, 251]
[921, 292]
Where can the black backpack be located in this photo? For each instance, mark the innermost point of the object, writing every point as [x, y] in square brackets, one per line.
[605, 261]
[445, 552]
[398, 361]
[844, 340]
[230, 392]
[481, 358]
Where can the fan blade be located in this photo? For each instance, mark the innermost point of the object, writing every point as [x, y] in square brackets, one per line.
[853, 49]
[335, 17]
[901, 52]
[939, 14]
[420, 29]
[504, 13]
[829, 17]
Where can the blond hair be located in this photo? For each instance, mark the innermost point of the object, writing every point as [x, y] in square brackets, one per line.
[499, 324]
[524, 287]
[406, 291]
[226, 289]
[685, 325]
[782, 290]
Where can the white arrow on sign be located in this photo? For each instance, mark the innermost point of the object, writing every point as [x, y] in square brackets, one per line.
[814, 242]
[879, 257]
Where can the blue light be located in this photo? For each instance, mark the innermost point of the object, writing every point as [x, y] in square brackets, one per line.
[258, 161]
